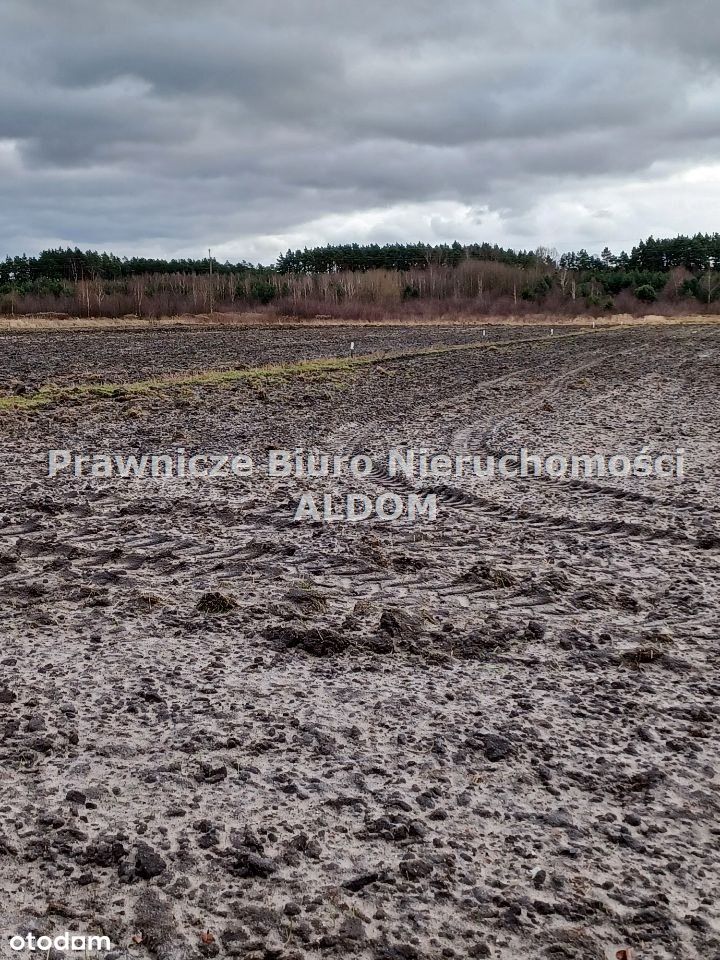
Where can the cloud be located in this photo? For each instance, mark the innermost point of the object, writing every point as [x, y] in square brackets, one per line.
[254, 126]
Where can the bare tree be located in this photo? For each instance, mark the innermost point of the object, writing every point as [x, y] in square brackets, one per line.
[710, 285]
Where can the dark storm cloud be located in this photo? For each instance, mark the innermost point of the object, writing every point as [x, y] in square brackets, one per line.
[166, 125]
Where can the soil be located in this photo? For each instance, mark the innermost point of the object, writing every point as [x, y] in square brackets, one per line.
[225, 733]
[32, 360]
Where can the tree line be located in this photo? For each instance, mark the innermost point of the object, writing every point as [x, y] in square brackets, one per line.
[354, 279]
[696, 254]
[400, 256]
[76, 265]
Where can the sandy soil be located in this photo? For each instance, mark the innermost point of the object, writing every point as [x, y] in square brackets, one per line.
[494, 735]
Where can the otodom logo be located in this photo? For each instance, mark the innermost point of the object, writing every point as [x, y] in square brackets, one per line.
[76, 942]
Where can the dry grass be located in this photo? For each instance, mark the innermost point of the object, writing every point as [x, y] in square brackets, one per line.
[49, 322]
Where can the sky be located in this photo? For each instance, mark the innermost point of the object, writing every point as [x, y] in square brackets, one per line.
[253, 126]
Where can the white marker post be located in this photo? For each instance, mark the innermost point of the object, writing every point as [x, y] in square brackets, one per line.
[352, 348]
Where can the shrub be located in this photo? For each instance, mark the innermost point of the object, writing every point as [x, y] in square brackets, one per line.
[646, 293]
[538, 290]
[263, 290]
[691, 288]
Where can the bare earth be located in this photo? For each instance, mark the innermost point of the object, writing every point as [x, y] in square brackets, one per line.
[492, 735]
[32, 360]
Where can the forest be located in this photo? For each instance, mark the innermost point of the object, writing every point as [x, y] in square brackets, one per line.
[370, 281]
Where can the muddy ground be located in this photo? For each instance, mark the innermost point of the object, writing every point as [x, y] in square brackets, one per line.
[32, 360]
[224, 733]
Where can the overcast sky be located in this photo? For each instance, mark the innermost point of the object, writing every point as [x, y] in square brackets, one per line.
[164, 127]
